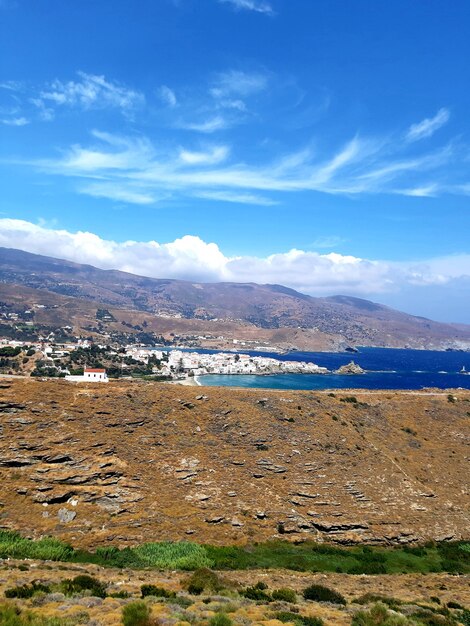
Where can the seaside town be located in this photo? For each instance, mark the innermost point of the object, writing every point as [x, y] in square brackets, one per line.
[91, 362]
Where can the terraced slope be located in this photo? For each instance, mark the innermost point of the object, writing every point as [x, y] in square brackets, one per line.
[130, 462]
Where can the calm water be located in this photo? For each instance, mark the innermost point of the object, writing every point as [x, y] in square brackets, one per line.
[388, 369]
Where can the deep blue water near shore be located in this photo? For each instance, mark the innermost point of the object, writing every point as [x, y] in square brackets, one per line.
[388, 369]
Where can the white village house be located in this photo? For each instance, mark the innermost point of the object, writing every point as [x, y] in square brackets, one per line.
[90, 375]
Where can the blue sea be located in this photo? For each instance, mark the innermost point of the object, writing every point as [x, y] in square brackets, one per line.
[387, 369]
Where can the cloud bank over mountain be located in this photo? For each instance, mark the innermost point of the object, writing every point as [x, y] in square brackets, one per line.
[191, 258]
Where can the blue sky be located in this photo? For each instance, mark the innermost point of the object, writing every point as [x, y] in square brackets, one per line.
[321, 144]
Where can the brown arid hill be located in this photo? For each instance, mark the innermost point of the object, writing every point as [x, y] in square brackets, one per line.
[80, 314]
[357, 321]
[129, 462]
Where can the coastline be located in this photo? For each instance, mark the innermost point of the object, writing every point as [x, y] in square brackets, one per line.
[191, 381]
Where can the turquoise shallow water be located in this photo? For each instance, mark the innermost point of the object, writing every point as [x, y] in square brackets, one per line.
[387, 369]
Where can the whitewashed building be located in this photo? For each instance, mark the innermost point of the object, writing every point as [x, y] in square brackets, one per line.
[90, 375]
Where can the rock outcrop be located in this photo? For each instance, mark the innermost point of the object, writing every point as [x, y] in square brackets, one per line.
[350, 368]
[140, 461]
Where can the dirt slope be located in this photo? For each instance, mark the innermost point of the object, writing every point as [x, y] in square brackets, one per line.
[358, 321]
[129, 461]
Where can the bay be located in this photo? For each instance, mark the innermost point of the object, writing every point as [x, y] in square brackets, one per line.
[387, 368]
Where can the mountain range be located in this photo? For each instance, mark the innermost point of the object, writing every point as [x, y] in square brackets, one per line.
[273, 312]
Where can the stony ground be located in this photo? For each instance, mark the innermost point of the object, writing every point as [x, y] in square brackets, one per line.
[130, 462]
[410, 589]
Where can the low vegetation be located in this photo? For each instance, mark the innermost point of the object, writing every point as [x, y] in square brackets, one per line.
[209, 599]
[451, 557]
[320, 593]
[136, 614]
[298, 620]
[11, 615]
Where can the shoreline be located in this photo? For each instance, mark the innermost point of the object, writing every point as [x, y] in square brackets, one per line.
[191, 381]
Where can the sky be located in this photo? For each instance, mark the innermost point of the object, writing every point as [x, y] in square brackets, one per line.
[319, 144]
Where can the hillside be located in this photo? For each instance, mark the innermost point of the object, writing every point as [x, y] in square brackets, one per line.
[324, 323]
[130, 462]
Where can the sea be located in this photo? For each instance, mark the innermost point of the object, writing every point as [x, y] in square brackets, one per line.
[387, 368]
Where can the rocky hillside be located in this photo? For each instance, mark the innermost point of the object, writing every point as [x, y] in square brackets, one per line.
[271, 307]
[130, 462]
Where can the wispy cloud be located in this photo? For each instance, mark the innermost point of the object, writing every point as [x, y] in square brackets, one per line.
[214, 155]
[428, 126]
[121, 194]
[192, 258]
[259, 6]
[208, 126]
[15, 121]
[168, 96]
[327, 241]
[236, 198]
[426, 191]
[89, 92]
[238, 83]
[360, 166]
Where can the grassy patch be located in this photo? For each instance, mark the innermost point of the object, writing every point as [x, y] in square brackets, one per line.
[11, 615]
[136, 614]
[13, 545]
[298, 620]
[451, 557]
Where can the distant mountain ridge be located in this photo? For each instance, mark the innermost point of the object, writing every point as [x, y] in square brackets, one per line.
[358, 321]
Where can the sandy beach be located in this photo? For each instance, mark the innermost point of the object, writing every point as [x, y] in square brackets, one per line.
[191, 381]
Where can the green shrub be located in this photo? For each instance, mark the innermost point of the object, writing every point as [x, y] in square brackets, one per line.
[464, 617]
[11, 615]
[9, 351]
[82, 583]
[370, 568]
[351, 399]
[182, 601]
[27, 591]
[319, 593]
[221, 619]
[257, 592]
[311, 621]
[370, 598]
[285, 595]
[203, 579]
[454, 605]
[136, 614]
[153, 590]
[298, 620]
[378, 615]
[122, 595]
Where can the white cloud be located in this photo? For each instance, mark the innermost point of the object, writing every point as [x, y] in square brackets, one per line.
[426, 191]
[237, 83]
[428, 126]
[120, 194]
[15, 121]
[208, 126]
[91, 91]
[168, 96]
[260, 6]
[214, 155]
[237, 198]
[191, 258]
[327, 241]
[358, 167]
